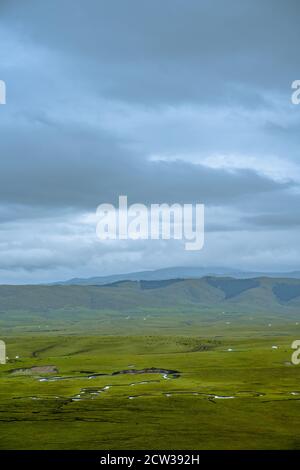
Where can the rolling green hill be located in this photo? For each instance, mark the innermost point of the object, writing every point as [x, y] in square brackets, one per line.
[266, 293]
[179, 272]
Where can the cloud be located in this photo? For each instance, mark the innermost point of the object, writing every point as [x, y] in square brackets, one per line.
[162, 101]
[171, 51]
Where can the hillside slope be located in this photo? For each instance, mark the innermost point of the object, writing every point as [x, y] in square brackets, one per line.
[255, 294]
[182, 272]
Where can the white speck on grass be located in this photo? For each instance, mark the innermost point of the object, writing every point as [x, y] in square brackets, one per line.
[274, 347]
[218, 397]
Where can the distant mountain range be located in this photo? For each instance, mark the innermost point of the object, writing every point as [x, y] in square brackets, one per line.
[176, 273]
[255, 295]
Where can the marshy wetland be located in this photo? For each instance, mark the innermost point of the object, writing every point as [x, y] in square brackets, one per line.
[211, 391]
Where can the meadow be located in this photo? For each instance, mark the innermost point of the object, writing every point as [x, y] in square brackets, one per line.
[226, 384]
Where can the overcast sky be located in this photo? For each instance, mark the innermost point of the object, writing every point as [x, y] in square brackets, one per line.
[164, 101]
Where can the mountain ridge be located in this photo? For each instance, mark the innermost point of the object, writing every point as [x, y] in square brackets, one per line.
[261, 294]
[188, 272]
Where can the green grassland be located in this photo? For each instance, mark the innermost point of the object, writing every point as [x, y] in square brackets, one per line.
[164, 307]
[191, 410]
[227, 387]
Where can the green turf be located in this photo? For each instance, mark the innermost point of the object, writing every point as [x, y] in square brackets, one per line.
[173, 413]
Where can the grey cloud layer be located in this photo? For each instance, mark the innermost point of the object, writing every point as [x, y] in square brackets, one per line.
[168, 51]
[173, 101]
[59, 167]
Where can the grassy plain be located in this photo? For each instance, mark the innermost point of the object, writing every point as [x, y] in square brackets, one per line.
[234, 390]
